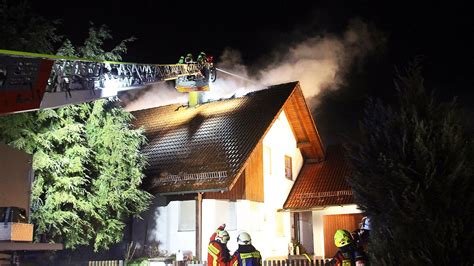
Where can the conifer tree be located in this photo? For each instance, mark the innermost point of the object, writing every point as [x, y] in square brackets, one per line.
[413, 176]
[21, 30]
[86, 159]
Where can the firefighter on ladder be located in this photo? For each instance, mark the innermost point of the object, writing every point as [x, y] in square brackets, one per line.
[217, 252]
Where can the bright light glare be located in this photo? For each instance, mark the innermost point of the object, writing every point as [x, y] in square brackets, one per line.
[110, 87]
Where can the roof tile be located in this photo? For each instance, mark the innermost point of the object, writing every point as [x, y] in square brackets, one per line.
[322, 184]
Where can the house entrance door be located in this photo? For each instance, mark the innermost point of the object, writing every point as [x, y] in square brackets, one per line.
[306, 231]
[349, 222]
[302, 230]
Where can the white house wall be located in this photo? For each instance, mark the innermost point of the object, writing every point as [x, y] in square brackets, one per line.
[279, 141]
[318, 224]
[215, 213]
[178, 240]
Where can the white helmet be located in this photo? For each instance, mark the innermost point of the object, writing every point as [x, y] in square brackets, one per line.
[244, 239]
[222, 236]
[365, 225]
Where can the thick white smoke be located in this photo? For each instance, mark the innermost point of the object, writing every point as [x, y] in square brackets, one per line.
[158, 94]
[227, 85]
[319, 63]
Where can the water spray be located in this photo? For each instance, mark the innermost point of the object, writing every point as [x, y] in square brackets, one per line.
[237, 76]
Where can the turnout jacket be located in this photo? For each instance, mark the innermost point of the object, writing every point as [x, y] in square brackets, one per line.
[217, 253]
[246, 255]
[349, 255]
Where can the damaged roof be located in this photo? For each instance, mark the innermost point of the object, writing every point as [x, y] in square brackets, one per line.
[205, 148]
[322, 184]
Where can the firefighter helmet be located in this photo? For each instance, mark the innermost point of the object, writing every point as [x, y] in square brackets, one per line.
[244, 239]
[189, 58]
[342, 238]
[365, 224]
[222, 236]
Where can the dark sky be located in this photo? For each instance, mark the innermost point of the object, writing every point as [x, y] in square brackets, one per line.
[166, 29]
[442, 33]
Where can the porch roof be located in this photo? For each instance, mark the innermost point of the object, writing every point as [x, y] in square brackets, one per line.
[322, 184]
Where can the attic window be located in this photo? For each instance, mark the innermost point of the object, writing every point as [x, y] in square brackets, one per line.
[288, 168]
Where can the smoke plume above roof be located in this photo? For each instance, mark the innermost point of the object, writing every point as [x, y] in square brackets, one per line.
[319, 63]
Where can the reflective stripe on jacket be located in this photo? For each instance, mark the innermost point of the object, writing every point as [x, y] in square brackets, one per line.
[217, 254]
[247, 258]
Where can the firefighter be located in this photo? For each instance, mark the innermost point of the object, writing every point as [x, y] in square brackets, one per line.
[246, 254]
[189, 58]
[361, 235]
[348, 254]
[202, 58]
[217, 252]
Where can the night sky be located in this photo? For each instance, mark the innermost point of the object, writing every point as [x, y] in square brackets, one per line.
[166, 29]
[439, 33]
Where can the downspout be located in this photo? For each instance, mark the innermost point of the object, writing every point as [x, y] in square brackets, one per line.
[199, 226]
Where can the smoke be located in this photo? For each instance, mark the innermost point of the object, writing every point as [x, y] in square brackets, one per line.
[227, 85]
[158, 94]
[319, 62]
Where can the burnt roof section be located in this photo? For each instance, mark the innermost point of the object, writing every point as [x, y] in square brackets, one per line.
[322, 184]
[205, 148]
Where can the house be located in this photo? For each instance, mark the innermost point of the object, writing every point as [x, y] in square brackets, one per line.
[231, 161]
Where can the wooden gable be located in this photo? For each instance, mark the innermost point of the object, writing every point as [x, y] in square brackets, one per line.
[249, 185]
[303, 126]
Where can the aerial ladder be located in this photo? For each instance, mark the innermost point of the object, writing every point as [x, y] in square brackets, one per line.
[31, 81]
